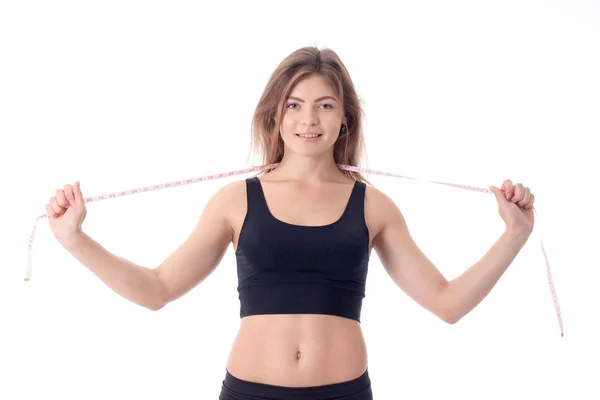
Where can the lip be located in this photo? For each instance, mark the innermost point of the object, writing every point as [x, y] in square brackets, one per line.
[310, 138]
[309, 133]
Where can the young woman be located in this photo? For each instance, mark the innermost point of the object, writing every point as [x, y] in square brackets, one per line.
[302, 234]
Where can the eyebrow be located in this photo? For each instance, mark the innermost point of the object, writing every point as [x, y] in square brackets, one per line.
[319, 99]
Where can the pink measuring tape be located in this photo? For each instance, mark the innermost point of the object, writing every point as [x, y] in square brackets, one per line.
[272, 166]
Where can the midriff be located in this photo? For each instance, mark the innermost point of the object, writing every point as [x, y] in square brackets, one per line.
[298, 350]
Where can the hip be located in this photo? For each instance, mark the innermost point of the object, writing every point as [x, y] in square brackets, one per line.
[233, 388]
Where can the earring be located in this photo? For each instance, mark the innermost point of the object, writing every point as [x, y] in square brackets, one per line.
[343, 128]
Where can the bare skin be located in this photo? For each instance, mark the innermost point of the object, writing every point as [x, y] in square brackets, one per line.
[307, 188]
[302, 349]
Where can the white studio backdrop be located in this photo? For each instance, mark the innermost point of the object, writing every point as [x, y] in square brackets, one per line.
[125, 94]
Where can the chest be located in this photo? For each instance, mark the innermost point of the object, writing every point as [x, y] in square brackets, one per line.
[290, 205]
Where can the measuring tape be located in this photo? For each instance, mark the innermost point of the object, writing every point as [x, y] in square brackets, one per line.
[272, 166]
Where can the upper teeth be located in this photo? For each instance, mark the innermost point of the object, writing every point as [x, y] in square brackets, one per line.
[310, 136]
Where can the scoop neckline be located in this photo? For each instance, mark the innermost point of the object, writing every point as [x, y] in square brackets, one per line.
[306, 226]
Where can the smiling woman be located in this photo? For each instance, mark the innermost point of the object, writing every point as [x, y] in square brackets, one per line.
[297, 118]
[302, 270]
[302, 232]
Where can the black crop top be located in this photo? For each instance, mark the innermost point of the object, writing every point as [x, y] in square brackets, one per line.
[293, 269]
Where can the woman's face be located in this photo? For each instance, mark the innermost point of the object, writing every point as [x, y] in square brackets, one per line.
[311, 107]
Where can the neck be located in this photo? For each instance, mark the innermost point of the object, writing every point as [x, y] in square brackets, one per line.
[308, 169]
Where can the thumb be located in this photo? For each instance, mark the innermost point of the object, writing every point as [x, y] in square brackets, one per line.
[498, 193]
[77, 193]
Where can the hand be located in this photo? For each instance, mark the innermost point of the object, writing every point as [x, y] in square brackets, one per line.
[66, 213]
[515, 205]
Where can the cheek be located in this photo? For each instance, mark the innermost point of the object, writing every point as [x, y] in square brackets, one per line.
[287, 126]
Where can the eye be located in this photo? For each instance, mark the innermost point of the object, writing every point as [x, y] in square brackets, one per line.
[326, 104]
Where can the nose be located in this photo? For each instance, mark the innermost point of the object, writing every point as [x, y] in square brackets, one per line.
[309, 117]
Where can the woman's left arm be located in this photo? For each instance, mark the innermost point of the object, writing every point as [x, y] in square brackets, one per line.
[466, 291]
[419, 278]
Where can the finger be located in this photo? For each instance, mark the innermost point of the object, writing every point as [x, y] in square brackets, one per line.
[69, 194]
[518, 193]
[61, 199]
[526, 197]
[508, 188]
[531, 200]
[54, 204]
[49, 210]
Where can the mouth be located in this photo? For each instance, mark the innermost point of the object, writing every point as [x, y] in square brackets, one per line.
[309, 137]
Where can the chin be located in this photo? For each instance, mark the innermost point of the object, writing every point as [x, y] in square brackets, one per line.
[307, 150]
[316, 148]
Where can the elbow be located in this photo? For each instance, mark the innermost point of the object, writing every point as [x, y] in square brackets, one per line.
[155, 307]
[449, 316]
[448, 309]
[160, 296]
[450, 320]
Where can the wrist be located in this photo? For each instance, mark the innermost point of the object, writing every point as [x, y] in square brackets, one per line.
[517, 233]
[73, 241]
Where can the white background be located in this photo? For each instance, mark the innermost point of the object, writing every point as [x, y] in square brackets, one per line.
[124, 94]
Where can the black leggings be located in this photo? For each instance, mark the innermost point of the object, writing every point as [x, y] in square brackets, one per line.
[238, 389]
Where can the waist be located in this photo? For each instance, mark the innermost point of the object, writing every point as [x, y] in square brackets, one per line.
[298, 350]
[301, 298]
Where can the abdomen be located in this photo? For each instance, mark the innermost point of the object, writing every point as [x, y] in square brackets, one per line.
[298, 350]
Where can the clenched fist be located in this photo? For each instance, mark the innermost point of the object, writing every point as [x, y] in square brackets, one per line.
[66, 213]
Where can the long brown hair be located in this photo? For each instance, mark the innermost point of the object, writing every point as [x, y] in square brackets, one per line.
[266, 122]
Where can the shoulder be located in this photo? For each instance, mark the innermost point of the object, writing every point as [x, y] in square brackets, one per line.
[231, 191]
[230, 197]
[221, 203]
[231, 200]
[381, 210]
[378, 198]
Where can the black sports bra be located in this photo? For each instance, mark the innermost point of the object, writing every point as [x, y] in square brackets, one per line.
[293, 269]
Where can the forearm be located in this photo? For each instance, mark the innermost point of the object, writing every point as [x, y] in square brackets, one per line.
[133, 282]
[465, 292]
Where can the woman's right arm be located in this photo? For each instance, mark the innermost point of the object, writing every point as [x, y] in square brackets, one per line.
[185, 268]
[134, 282]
